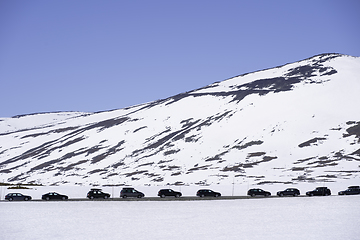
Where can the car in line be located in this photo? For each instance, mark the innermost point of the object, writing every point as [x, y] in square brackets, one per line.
[97, 193]
[17, 197]
[319, 191]
[258, 192]
[352, 190]
[207, 193]
[54, 196]
[131, 192]
[169, 193]
[289, 192]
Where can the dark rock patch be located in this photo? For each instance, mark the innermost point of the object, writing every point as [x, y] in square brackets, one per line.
[354, 130]
[135, 173]
[311, 141]
[136, 130]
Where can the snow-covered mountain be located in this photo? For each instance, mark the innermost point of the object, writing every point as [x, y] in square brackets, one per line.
[293, 123]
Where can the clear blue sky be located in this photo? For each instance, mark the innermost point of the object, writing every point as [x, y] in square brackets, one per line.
[91, 55]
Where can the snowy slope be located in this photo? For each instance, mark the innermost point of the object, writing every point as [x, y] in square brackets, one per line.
[297, 122]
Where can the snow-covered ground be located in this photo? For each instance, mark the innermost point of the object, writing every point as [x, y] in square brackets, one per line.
[333, 217]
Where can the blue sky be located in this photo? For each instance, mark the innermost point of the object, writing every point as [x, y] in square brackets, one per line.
[100, 55]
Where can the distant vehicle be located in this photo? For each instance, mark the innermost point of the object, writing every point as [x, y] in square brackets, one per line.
[97, 193]
[352, 190]
[17, 197]
[131, 192]
[258, 192]
[207, 193]
[319, 191]
[169, 192]
[289, 192]
[54, 196]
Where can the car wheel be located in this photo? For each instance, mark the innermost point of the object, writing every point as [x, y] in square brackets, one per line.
[10, 199]
[63, 198]
[47, 198]
[266, 195]
[281, 194]
[217, 195]
[252, 195]
[91, 197]
[26, 199]
[106, 197]
[139, 196]
[162, 196]
[202, 195]
[124, 196]
[311, 194]
[177, 195]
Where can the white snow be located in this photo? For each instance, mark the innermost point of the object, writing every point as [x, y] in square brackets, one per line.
[333, 217]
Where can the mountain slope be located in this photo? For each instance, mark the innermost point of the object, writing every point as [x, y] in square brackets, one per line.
[297, 122]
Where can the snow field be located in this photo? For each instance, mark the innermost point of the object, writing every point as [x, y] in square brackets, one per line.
[334, 217]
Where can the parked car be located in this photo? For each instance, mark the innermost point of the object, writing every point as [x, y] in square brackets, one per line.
[131, 192]
[207, 193]
[168, 192]
[17, 197]
[352, 190]
[97, 193]
[289, 192]
[54, 196]
[319, 191]
[258, 192]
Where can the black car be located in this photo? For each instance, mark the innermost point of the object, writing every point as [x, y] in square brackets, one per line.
[17, 197]
[319, 191]
[207, 193]
[168, 192]
[54, 196]
[97, 193]
[289, 192]
[352, 190]
[131, 192]
[258, 192]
